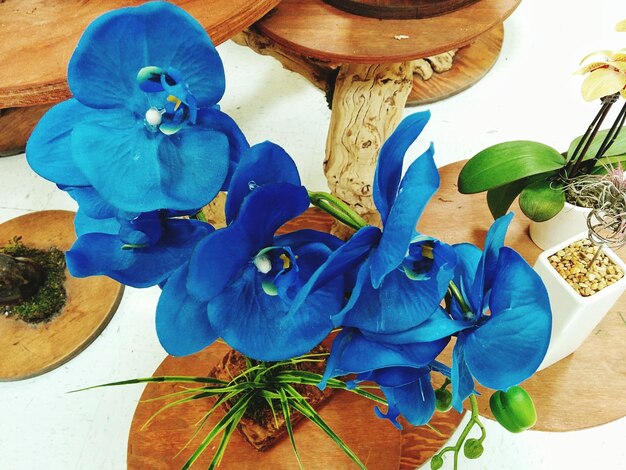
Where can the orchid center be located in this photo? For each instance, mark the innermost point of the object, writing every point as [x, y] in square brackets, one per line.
[263, 263]
[172, 106]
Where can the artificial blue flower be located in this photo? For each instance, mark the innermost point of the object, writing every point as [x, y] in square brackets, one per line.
[401, 370]
[402, 276]
[509, 318]
[142, 128]
[241, 280]
[138, 250]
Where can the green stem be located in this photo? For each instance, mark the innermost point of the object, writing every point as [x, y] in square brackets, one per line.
[455, 292]
[337, 208]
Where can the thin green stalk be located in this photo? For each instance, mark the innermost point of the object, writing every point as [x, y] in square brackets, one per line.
[455, 292]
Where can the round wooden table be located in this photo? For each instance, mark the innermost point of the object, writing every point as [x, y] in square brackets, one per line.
[40, 36]
[367, 66]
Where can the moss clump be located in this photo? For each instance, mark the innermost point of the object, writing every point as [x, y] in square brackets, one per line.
[51, 296]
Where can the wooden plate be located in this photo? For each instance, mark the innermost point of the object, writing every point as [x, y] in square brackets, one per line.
[30, 350]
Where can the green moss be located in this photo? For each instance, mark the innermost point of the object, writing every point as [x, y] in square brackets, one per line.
[51, 296]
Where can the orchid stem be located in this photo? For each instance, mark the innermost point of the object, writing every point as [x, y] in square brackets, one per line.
[337, 208]
[455, 292]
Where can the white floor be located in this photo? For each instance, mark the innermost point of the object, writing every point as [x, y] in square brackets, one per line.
[530, 94]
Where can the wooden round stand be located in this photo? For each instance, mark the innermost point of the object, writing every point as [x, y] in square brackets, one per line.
[34, 65]
[29, 350]
[586, 389]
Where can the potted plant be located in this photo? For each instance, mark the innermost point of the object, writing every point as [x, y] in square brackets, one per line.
[540, 174]
[145, 106]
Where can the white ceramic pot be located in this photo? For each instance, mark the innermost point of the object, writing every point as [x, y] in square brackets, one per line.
[574, 317]
[567, 223]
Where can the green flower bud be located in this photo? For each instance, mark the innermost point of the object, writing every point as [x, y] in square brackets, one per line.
[443, 400]
[436, 462]
[473, 448]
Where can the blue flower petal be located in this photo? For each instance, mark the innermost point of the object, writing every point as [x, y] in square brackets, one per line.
[84, 224]
[460, 376]
[90, 202]
[262, 327]
[487, 265]
[508, 348]
[220, 257]
[48, 150]
[262, 164]
[182, 323]
[415, 401]
[418, 185]
[102, 254]
[389, 167]
[468, 259]
[102, 72]
[140, 171]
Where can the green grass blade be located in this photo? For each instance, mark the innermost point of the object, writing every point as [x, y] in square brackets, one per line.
[284, 403]
[181, 379]
[221, 450]
[301, 405]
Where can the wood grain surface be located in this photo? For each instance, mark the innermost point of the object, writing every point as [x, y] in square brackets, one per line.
[398, 9]
[471, 63]
[587, 388]
[29, 350]
[39, 37]
[315, 29]
[16, 125]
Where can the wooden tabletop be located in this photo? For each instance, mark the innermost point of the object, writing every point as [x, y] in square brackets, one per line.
[587, 388]
[315, 29]
[39, 36]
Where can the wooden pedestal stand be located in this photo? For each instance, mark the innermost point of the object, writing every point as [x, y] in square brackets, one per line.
[29, 350]
[374, 73]
[40, 38]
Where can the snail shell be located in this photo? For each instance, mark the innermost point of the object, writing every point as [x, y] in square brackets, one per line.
[20, 278]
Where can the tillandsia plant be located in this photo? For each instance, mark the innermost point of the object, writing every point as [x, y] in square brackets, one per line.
[141, 147]
[538, 173]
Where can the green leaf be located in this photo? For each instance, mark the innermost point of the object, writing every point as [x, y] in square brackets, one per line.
[542, 200]
[284, 403]
[171, 378]
[500, 199]
[618, 147]
[507, 162]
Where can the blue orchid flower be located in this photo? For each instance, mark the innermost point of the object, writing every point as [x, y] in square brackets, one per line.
[508, 317]
[139, 250]
[402, 276]
[402, 372]
[142, 128]
[241, 281]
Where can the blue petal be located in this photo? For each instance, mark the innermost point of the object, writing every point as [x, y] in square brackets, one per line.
[468, 259]
[415, 401]
[90, 202]
[356, 354]
[399, 304]
[343, 260]
[308, 236]
[418, 185]
[102, 254]
[389, 167]
[489, 259]
[48, 150]
[84, 224]
[222, 255]
[437, 326]
[262, 327]
[262, 164]
[140, 171]
[510, 345]
[182, 323]
[102, 72]
[460, 376]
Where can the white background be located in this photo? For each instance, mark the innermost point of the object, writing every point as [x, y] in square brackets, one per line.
[531, 94]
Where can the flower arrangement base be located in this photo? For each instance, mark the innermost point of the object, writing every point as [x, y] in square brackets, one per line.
[262, 429]
[399, 9]
[380, 445]
[29, 350]
[575, 314]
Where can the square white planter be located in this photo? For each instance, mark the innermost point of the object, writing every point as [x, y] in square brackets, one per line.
[574, 317]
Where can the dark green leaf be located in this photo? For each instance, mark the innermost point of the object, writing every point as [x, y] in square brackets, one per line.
[286, 407]
[500, 199]
[542, 200]
[507, 162]
[618, 147]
